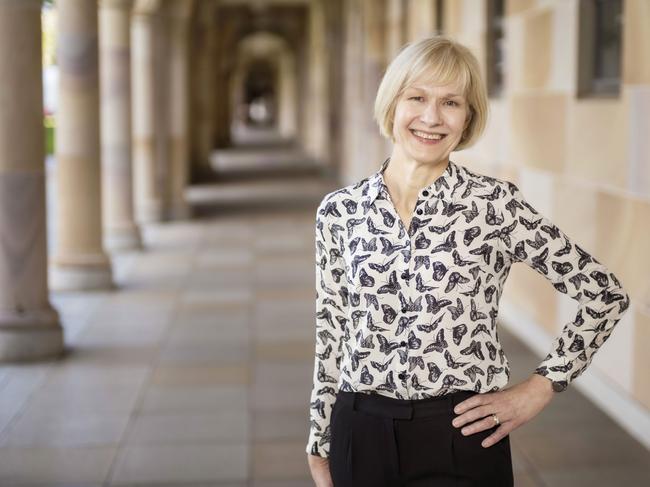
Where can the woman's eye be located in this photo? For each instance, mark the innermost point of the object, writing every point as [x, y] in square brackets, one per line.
[418, 98]
[454, 103]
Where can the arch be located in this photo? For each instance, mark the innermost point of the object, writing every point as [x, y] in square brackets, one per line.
[265, 48]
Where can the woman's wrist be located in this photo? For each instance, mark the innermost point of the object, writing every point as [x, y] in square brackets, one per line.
[542, 384]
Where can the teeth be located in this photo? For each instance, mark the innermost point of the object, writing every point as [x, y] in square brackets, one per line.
[424, 135]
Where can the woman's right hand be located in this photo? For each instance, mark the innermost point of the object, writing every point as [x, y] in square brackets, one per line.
[320, 470]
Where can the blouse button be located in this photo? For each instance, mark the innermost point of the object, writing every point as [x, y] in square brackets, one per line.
[402, 343]
[425, 193]
[419, 212]
[403, 310]
[402, 375]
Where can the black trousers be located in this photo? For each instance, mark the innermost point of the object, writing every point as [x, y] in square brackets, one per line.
[379, 441]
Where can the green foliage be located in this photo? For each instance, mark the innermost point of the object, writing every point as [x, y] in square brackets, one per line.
[48, 123]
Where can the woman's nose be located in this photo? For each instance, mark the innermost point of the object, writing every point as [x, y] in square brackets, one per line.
[431, 114]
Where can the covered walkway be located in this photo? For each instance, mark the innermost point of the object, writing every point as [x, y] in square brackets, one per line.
[167, 245]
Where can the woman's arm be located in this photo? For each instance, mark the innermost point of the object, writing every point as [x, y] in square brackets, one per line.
[530, 237]
[331, 317]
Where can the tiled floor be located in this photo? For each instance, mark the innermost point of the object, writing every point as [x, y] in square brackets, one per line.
[197, 372]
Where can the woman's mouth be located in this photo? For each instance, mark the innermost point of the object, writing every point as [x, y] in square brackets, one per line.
[428, 138]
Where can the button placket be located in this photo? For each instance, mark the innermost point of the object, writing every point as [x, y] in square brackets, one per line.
[407, 295]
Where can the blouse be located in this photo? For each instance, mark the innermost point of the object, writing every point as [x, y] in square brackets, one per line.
[412, 313]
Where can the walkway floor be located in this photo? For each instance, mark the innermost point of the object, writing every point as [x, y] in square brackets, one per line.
[197, 372]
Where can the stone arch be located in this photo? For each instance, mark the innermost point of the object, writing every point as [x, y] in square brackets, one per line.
[269, 49]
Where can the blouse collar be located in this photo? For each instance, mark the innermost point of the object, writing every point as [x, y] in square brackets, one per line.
[445, 187]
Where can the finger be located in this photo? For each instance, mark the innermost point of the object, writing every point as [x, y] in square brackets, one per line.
[472, 415]
[477, 427]
[495, 437]
[472, 402]
[482, 425]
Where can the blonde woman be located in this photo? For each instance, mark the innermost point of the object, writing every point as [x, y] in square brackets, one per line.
[410, 380]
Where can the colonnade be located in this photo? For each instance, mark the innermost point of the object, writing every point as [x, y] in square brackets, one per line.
[122, 151]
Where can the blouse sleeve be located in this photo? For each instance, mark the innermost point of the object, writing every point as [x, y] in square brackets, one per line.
[532, 238]
[331, 316]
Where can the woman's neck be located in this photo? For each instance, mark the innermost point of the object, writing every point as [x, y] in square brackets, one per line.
[405, 177]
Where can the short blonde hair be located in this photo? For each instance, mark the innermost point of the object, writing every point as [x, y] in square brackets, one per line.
[445, 61]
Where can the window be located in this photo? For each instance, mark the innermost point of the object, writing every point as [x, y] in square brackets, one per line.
[599, 65]
[495, 47]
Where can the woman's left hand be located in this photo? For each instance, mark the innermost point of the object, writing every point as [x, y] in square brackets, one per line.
[514, 406]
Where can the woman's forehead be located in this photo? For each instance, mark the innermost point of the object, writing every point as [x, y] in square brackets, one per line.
[431, 82]
[429, 85]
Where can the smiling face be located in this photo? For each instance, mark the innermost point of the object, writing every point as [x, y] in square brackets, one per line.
[429, 121]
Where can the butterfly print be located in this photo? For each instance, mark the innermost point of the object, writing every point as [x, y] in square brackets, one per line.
[442, 229]
[388, 218]
[382, 367]
[458, 333]
[427, 323]
[429, 327]
[389, 384]
[433, 305]
[439, 344]
[420, 286]
[366, 279]
[456, 311]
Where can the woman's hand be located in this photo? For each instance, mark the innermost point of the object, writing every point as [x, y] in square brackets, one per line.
[514, 406]
[320, 470]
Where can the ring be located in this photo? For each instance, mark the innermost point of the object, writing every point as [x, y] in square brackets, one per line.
[496, 420]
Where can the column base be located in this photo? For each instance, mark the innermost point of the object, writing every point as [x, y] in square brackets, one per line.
[80, 277]
[30, 336]
[122, 238]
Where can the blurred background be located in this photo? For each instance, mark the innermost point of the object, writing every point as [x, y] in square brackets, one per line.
[160, 166]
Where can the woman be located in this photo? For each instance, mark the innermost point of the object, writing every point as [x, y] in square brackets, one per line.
[409, 375]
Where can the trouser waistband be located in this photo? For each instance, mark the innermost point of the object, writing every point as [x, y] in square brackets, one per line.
[390, 407]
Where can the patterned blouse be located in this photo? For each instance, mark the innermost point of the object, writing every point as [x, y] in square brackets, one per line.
[412, 313]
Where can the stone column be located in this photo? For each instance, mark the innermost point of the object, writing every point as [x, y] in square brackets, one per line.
[287, 95]
[178, 30]
[373, 145]
[205, 83]
[421, 19]
[334, 39]
[149, 205]
[29, 326]
[365, 61]
[317, 109]
[396, 28]
[120, 230]
[352, 169]
[79, 262]
[219, 63]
